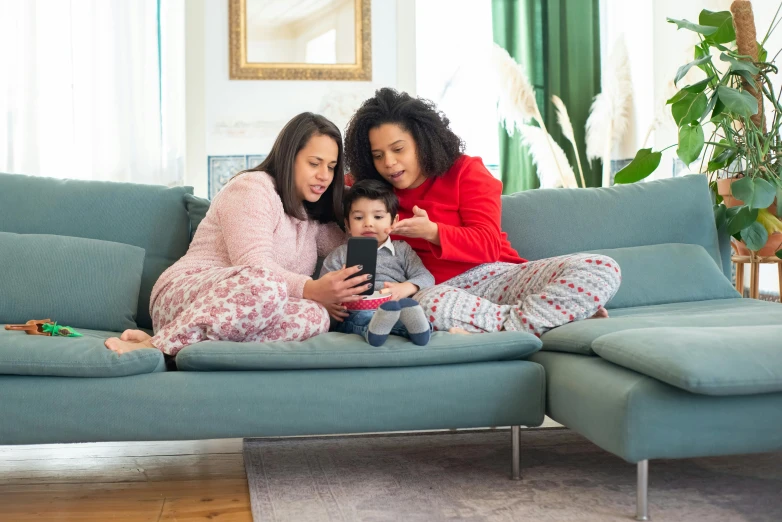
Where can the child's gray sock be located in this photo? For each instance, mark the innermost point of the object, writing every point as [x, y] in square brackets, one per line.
[382, 322]
[414, 319]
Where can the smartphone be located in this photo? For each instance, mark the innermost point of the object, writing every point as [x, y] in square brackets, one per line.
[363, 251]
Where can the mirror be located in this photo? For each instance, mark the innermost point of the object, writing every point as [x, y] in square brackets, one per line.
[303, 40]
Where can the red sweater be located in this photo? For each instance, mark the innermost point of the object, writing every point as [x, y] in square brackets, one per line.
[465, 204]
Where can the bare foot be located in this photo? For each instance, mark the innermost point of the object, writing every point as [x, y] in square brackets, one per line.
[460, 331]
[601, 313]
[135, 336]
[119, 346]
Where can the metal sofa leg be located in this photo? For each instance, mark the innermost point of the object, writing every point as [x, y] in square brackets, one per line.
[515, 434]
[642, 501]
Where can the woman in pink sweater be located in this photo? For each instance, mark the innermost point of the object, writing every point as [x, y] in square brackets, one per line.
[246, 276]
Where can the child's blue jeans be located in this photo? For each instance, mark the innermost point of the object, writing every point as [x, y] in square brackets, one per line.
[358, 323]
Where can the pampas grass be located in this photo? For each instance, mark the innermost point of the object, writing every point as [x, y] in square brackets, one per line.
[567, 130]
[553, 167]
[516, 102]
[609, 115]
[516, 105]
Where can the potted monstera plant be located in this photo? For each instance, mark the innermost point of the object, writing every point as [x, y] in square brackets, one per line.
[729, 121]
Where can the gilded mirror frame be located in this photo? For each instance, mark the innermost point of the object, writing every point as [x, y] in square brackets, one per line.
[241, 69]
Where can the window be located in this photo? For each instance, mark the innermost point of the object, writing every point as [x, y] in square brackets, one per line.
[451, 37]
[93, 90]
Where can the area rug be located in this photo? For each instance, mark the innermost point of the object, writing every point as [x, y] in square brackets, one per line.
[465, 476]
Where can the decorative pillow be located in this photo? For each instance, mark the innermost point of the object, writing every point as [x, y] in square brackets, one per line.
[196, 209]
[79, 282]
[667, 273]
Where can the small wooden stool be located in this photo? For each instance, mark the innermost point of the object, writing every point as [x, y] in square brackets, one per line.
[754, 261]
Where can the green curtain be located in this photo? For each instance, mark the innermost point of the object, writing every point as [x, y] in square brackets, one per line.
[558, 41]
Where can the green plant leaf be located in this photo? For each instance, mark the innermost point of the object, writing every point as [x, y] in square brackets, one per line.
[779, 201]
[716, 198]
[754, 236]
[723, 21]
[739, 65]
[696, 87]
[719, 108]
[754, 192]
[762, 53]
[676, 97]
[719, 215]
[737, 102]
[723, 159]
[686, 24]
[644, 163]
[709, 107]
[746, 76]
[689, 108]
[740, 218]
[681, 71]
[779, 254]
[690, 143]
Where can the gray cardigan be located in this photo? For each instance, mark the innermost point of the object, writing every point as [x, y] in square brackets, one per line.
[403, 265]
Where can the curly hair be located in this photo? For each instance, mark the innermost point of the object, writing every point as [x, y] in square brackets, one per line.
[437, 145]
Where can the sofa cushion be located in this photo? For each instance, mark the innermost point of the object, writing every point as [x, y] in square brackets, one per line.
[152, 217]
[84, 283]
[22, 354]
[578, 337]
[196, 210]
[667, 273]
[551, 222]
[338, 350]
[733, 360]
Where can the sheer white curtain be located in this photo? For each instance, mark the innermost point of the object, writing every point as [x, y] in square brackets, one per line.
[93, 89]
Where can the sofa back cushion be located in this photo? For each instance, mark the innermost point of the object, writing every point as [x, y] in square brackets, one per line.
[78, 282]
[667, 273]
[196, 209]
[551, 222]
[151, 217]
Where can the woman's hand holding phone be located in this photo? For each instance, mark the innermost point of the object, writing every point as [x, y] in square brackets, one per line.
[335, 287]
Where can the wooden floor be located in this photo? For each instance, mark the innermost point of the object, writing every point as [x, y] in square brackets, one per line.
[125, 481]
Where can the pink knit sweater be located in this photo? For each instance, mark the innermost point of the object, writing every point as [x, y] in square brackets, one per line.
[246, 225]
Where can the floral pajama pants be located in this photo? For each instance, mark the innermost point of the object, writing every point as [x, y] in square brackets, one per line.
[240, 304]
[531, 297]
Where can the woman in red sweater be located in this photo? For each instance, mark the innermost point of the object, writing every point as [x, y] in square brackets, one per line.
[450, 211]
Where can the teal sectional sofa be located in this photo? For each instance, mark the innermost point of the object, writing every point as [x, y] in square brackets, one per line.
[683, 368]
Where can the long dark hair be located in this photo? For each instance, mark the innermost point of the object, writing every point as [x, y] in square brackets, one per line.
[280, 163]
[436, 144]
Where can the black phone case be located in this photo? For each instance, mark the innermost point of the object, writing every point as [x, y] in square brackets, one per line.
[363, 251]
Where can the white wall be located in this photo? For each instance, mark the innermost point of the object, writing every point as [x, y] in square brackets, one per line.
[244, 116]
[656, 50]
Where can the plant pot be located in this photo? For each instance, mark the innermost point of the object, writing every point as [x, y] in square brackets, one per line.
[774, 242]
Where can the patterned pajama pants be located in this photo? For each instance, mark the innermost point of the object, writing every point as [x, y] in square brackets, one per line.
[241, 304]
[531, 297]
